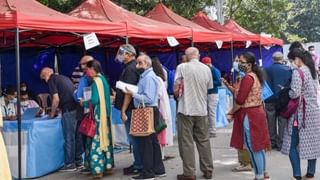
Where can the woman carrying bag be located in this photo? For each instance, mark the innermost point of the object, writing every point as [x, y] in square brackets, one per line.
[302, 135]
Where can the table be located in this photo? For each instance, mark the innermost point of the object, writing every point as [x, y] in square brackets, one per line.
[42, 146]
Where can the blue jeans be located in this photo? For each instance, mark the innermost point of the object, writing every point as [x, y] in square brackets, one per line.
[258, 158]
[135, 142]
[69, 126]
[295, 158]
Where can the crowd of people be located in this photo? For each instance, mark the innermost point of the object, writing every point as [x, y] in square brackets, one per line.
[259, 125]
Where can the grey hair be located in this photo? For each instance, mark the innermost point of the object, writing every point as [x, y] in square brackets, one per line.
[147, 59]
[129, 48]
[277, 56]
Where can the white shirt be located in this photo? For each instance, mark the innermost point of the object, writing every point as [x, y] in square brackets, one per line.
[7, 110]
[197, 79]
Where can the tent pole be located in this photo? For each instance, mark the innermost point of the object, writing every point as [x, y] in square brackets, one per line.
[18, 99]
[232, 60]
[260, 47]
[127, 40]
[232, 55]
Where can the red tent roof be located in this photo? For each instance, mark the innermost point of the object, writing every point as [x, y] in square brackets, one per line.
[30, 14]
[200, 34]
[137, 26]
[232, 25]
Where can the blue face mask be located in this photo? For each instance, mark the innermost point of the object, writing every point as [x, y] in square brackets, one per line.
[236, 66]
[13, 101]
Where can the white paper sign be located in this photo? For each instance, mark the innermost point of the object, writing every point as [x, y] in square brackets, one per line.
[90, 41]
[267, 47]
[172, 41]
[87, 93]
[219, 44]
[248, 44]
[122, 85]
[260, 62]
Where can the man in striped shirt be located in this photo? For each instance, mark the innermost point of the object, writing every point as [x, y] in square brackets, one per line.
[192, 117]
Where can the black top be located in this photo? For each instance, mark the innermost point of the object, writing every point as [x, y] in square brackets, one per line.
[129, 75]
[63, 86]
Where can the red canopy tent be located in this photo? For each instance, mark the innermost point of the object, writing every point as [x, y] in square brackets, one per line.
[36, 23]
[38, 20]
[200, 34]
[234, 26]
[203, 20]
[137, 26]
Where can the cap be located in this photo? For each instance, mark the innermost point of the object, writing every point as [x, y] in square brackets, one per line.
[206, 60]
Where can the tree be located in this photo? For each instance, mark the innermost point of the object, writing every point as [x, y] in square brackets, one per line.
[182, 8]
[61, 5]
[259, 15]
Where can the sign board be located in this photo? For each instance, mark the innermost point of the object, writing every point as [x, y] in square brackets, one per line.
[172, 41]
[90, 41]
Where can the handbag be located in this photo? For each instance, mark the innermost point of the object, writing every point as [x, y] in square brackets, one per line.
[161, 125]
[293, 104]
[142, 121]
[88, 124]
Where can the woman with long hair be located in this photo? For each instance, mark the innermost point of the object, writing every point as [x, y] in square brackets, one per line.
[302, 134]
[250, 121]
[99, 150]
[165, 137]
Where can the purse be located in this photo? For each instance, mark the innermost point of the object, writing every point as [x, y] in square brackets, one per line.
[161, 125]
[142, 121]
[88, 124]
[293, 104]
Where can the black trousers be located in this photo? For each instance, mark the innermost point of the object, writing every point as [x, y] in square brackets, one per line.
[80, 139]
[151, 152]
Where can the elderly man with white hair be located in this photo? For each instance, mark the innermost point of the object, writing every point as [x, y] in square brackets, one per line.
[192, 119]
[278, 76]
[148, 91]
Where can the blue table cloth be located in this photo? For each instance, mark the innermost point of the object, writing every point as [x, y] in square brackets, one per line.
[44, 152]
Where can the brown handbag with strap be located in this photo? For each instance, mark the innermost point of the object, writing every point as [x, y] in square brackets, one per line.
[142, 121]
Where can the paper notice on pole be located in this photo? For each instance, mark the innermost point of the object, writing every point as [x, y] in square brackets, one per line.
[219, 44]
[172, 41]
[260, 63]
[248, 44]
[87, 93]
[90, 41]
[122, 85]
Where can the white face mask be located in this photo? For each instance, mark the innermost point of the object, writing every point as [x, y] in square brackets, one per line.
[313, 52]
[235, 66]
[24, 103]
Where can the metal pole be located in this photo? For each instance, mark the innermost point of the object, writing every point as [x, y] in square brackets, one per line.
[127, 40]
[18, 100]
[261, 53]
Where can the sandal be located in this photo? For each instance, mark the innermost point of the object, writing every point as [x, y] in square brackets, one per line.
[266, 176]
[242, 168]
[97, 176]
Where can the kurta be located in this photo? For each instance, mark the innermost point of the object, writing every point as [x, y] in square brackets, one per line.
[165, 137]
[309, 134]
[5, 173]
[256, 115]
[97, 159]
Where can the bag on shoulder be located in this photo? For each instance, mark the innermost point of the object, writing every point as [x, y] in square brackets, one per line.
[293, 104]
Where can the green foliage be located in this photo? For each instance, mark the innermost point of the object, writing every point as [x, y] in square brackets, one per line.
[184, 8]
[61, 5]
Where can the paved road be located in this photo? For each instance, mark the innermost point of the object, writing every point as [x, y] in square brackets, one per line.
[224, 159]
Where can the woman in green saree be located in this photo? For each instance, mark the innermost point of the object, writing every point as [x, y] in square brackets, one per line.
[99, 149]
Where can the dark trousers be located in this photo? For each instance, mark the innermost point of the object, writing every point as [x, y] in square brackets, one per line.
[69, 126]
[276, 125]
[80, 138]
[151, 152]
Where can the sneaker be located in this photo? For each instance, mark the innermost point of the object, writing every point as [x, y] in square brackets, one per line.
[212, 134]
[131, 171]
[80, 166]
[68, 168]
[143, 177]
[160, 174]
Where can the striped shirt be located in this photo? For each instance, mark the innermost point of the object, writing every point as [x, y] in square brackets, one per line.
[197, 79]
[76, 75]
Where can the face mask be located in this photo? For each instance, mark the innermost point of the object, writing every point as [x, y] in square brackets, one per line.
[24, 103]
[140, 70]
[313, 52]
[236, 66]
[89, 73]
[120, 57]
[23, 88]
[13, 101]
[242, 67]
